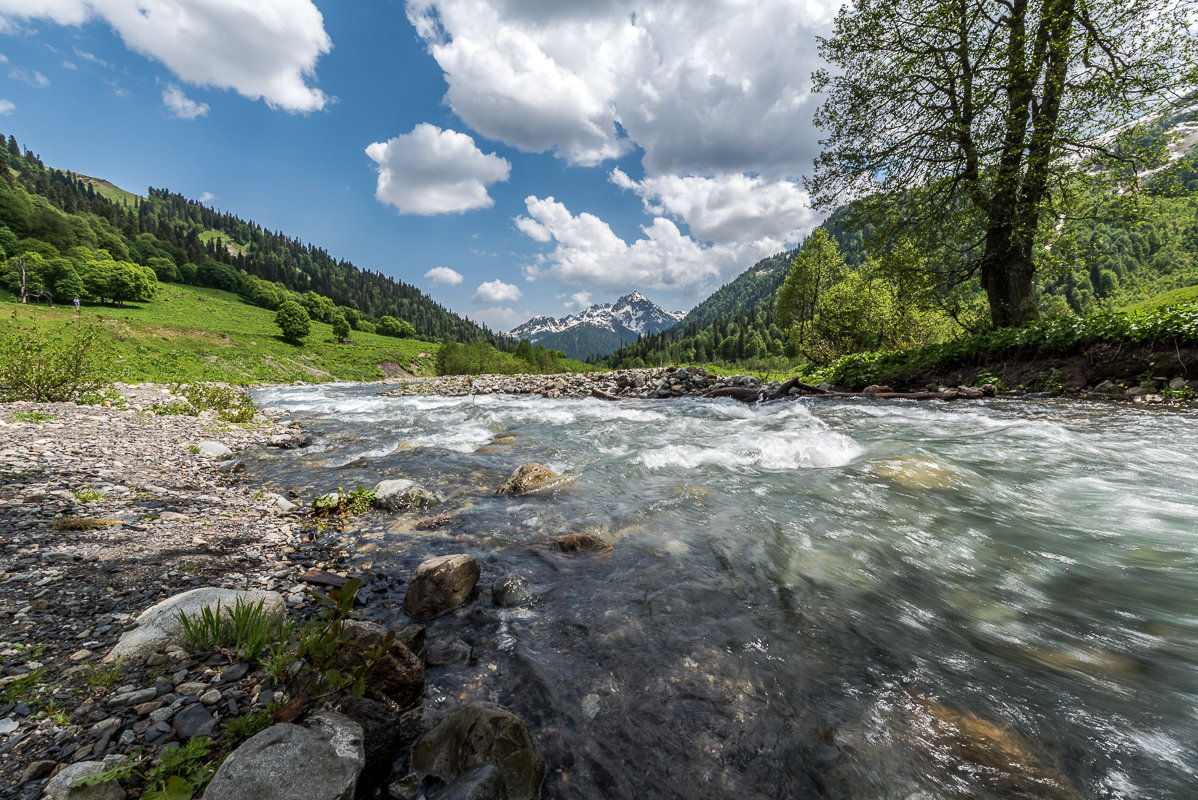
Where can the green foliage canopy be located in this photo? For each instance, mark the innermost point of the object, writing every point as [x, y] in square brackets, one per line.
[293, 320]
[971, 125]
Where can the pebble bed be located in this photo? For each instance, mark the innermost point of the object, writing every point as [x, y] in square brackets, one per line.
[174, 521]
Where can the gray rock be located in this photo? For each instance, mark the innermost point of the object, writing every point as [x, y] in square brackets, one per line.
[158, 626]
[211, 449]
[483, 733]
[440, 584]
[286, 761]
[8, 725]
[448, 651]
[403, 495]
[483, 782]
[193, 721]
[36, 770]
[59, 787]
[511, 590]
[529, 479]
[231, 466]
[284, 505]
[133, 698]
[1109, 387]
[406, 788]
[398, 676]
[1177, 383]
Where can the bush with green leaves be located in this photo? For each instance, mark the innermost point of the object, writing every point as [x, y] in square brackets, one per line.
[51, 366]
[344, 504]
[230, 403]
[1177, 322]
[293, 320]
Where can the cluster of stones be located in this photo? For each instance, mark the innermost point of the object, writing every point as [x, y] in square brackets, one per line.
[105, 512]
[672, 382]
[630, 383]
[1148, 392]
[170, 519]
[482, 750]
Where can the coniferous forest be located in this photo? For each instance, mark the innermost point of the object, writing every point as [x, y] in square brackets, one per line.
[82, 236]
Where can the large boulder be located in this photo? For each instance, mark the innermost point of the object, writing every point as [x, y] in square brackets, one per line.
[398, 676]
[440, 584]
[483, 733]
[403, 495]
[158, 626]
[59, 787]
[211, 449]
[531, 478]
[319, 762]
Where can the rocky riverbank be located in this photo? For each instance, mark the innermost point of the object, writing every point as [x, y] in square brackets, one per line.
[673, 382]
[107, 511]
[117, 520]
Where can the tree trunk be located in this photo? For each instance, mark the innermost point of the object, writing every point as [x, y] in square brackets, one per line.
[1007, 271]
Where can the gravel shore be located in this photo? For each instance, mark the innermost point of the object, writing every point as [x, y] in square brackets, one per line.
[168, 520]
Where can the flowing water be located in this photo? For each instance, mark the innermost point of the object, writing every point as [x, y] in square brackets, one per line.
[805, 599]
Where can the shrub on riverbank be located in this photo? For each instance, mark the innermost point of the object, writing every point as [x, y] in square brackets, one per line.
[1170, 323]
[51, 366]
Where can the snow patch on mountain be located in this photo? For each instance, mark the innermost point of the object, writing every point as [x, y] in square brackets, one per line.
[633, 314]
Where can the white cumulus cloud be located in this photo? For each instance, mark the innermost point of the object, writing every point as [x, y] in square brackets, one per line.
[588, 253]
[181, 105]
[578, 301]
[7, 107]
[495, 291]
[444, 275]
[704, 88]
[265, 50]
[733, 207]
[435, 171]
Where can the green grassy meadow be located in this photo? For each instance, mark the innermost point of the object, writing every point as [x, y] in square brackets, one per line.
[187, 333]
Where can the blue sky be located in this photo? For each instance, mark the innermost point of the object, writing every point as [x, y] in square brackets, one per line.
[509, 157]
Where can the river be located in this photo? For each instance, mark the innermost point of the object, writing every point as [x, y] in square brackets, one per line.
[836, 599]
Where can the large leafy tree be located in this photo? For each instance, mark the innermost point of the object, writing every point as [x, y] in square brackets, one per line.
[971, 126]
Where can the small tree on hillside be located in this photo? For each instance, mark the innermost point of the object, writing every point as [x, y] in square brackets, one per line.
[293, 320]
[340, 328]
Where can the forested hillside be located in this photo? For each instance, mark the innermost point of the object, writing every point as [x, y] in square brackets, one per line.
[72, 227]
[1101, 262]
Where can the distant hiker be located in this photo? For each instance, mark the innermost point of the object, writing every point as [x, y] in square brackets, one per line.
[76, 305]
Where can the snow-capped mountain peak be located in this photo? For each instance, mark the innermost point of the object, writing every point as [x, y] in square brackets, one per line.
[630, 316]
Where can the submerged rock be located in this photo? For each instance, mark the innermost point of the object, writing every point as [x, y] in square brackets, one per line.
[483, 782]
[990, 753]
[915, 472]
[483, 733]
[441, 584]
[511, 590]
[585, 542]
[403, 495]
[319, 762]
[531, 478]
